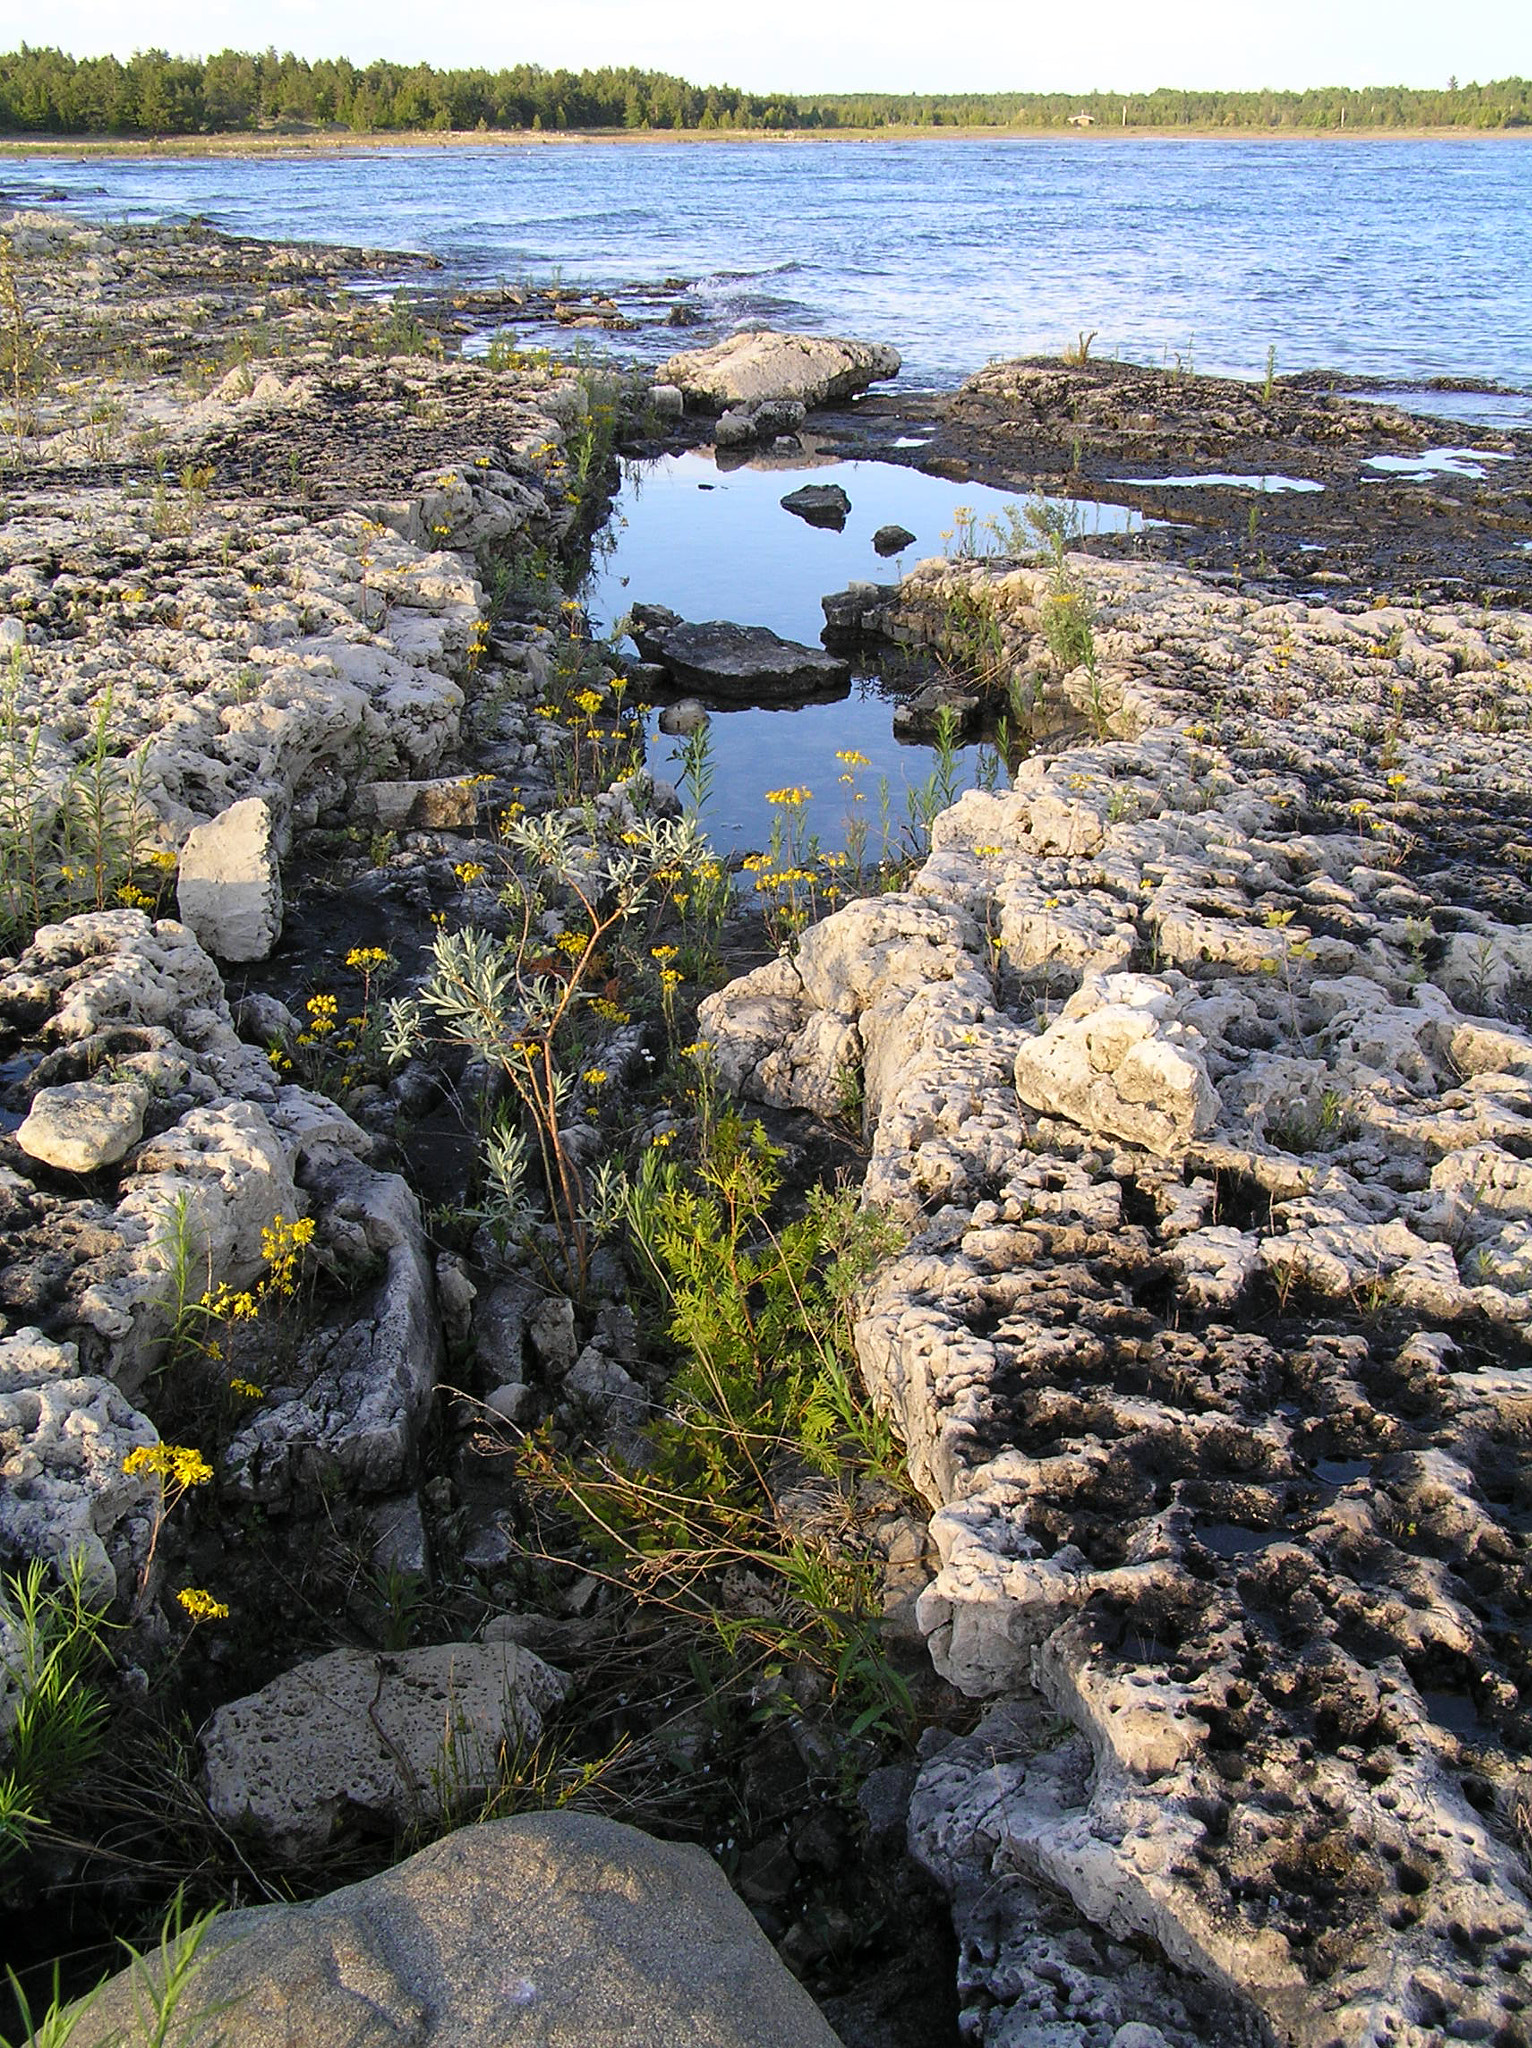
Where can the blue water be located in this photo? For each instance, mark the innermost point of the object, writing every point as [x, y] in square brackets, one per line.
[1393, 260]
[716, 543]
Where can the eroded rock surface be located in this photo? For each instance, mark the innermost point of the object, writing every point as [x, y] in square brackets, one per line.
[1217, 1381]
[379, 1741]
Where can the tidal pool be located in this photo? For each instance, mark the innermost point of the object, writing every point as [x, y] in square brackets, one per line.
[714, 542]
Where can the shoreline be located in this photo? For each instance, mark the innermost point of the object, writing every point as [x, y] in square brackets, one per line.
[315, 144]
[313, 564]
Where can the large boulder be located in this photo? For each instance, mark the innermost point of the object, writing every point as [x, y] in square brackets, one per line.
[749, 663]
[747, 369]
[230, 886]
[551, 1930]
[387, 1741]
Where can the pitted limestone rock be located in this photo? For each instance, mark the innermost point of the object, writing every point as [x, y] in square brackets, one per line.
[384, 1740]
[64, 1436]
[1118, 1063]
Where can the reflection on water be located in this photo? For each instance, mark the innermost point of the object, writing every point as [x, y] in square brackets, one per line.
[1430, 462]
[716, 544]
[1222, 478]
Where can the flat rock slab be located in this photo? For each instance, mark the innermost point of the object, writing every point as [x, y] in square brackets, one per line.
[746, 663]
[815, 369]
[84, 1125]
[551, 1930]
[392, 1741]
[819, 504]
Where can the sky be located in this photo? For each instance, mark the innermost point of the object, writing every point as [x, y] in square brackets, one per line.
[882, 45]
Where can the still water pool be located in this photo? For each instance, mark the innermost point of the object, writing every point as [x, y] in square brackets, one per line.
[715, 543]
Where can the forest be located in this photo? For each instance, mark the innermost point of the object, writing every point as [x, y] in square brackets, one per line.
[45, 92]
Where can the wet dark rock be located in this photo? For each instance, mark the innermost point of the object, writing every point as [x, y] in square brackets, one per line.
[892, 540]
[819, 505]
[750, 664]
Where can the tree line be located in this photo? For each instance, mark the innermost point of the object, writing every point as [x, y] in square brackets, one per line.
[45, 92]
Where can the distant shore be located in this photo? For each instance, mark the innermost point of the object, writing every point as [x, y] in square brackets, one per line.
[338, 143]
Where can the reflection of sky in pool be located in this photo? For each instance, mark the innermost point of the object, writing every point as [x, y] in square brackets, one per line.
[716, 544]
[1223, 479]
[1431, 462]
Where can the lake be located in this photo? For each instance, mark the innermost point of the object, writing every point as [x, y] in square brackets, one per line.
[1399, 260]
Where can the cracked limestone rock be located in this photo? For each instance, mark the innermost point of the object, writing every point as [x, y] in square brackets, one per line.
[1118, 1063]
[63, 1493]
[389, 1741]
[230, 885]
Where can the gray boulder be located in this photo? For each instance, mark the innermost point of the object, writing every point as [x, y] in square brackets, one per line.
[230, 885]
[551, 1930]
[84, 1125]
[742, 425]
[893, 540]
[814, 369]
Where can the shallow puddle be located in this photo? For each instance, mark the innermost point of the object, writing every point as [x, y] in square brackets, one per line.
[1223, 480]
[1456, 1712]
[1232, 1539]
[1342, 1471]
[714, 542]
[1431, 462]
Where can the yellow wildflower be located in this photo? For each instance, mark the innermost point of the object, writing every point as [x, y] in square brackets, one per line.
[201, 1606]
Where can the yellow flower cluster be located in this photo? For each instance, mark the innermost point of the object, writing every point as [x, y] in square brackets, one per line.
[663, 953]
[178, 1465]
[608, 1011]
[468, 872]
[367, 959]
[246, 1389]
[201, 1606]
[852, 758]
[595, 1077]
[283, 1244]
[793, 795]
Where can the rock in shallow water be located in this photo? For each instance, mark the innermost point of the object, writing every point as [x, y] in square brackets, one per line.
[552, 1930]
[750, 663]
[819, 505]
